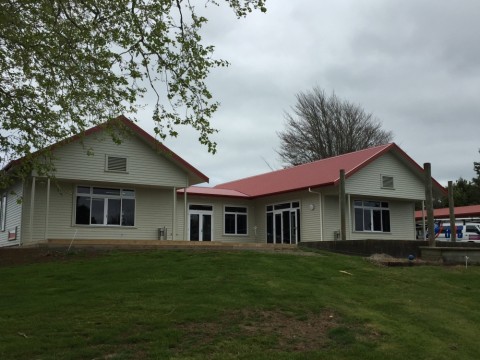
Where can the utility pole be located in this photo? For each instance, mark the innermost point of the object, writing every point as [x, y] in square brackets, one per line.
[429, 197]
[451, 205]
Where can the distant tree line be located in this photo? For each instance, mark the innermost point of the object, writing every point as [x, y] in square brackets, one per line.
[465, 192]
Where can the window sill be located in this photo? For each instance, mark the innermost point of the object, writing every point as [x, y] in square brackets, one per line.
[240, 235]
[104, 226]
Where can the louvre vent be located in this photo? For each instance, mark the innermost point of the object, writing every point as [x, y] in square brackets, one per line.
[116, 163]
[387, 182]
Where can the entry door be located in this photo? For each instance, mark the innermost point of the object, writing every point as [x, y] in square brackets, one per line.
[200, 225]
[284, 225]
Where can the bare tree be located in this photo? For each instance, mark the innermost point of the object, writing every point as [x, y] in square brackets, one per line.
[322, 126]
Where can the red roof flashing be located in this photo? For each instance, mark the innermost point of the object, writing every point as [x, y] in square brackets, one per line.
[460, 212]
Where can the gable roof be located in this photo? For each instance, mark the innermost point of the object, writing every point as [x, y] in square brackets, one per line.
[195, 175]
[325, 172]
[460, 212]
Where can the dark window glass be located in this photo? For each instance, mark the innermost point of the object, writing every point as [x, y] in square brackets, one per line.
[269, 227]
[128, 193]
[200, 207]
[367, 220]
[242, 224]
[83, 190]
[229, 223]
[377, 220]
[207, 227]
[282, 206]
[106, 191]
[98, 211]
[295, 204]
[358, 203]
[286, 227]
[386, 220]
[358, 219]
[385, 204]
[235, 209]
[278, 228]
[194, 227]
[82, 216]
[114, 208]
[269, 208]
[128, 212]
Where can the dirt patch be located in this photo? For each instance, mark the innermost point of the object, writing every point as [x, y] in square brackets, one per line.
[274, 330]
[388, 260]
[22, 256]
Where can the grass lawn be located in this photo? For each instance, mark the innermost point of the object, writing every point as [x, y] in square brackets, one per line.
[237, 305]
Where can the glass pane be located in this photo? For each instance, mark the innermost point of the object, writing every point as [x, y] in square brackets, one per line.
[207, 227]
[286, 227]
[358, 219]
[82, 216]
[270, 228]
[386, 220]
[229, 223]
[377, 220]
[358, 203]
[83, 189]
[106, 191]
[113, 214]
[128, 193]
[236, 209]
[278, 228]
[201, 207]
[385, 204]
[269, 208]
[242, 224]
[295, 204]
[128, 212]
[282, 206]
[293, 227]
[98, 211]
[367, 220]
[194, 227]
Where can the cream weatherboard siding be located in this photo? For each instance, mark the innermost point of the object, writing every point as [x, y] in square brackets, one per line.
[13, 215]
[368, 180]
[153, 210]
[309, 219]
[86, 161]
[401, 221]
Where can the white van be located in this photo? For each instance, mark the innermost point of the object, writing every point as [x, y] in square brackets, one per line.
[468, 232]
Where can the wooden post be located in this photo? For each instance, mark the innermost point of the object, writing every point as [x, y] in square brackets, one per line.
[429, 197]
[451, 205]
[343, 222]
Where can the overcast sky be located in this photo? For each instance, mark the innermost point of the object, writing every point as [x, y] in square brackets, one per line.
[414, 64]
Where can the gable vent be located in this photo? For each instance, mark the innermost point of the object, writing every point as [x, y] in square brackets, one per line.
[115, 163]
[387, 182]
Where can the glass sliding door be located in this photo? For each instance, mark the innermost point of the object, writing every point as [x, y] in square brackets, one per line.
[200, 222]
[283, 223]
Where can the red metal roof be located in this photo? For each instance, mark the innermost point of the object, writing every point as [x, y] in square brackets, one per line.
[460, 212]
[199, 190]
[136, 130]
[319, 173]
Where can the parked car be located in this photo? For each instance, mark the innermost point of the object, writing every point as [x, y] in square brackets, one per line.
[468, 232]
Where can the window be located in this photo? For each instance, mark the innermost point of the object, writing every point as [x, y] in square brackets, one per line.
[3, 212]
[371, 216]
[235, 220]
[105, 206]
[387, 182]
[116, 163]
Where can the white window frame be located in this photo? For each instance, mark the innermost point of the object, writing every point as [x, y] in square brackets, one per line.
[225, 212]
[382, 177]
[106, 198]
[371, 209]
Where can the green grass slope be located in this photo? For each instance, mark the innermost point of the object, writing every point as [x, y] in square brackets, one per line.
[237, 305]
